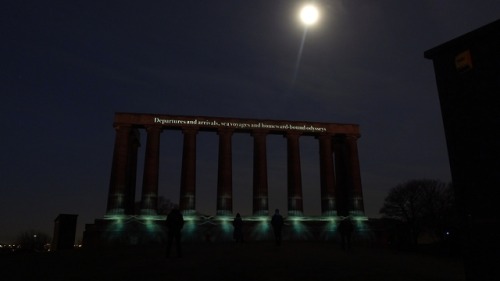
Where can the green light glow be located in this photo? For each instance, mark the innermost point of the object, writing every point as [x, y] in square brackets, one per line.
[117, 225]
[299, 230]
[190, 218]
[362, 228]
[190, 226]
[257, 218]
[360, 218]
[114, 217]
[226, 225]
[188, 212]
[329, 229]
[261, 229]
[143, 228]
[224, 218]
[151, 226]
[190, 229]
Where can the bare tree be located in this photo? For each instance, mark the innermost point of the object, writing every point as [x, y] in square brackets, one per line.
[421, 205]
[164, 205]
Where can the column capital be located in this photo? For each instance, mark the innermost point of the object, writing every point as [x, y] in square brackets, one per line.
[154, 128]
[119, 126]
[292, 134]
[225, 131]
[346, 137]
[353, 136]
[324, 136]
[259, 132]
[190, 130]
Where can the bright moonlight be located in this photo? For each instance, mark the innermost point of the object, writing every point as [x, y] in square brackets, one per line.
[309, 15]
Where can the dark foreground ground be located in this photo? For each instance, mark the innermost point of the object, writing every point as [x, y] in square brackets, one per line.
[250, 261]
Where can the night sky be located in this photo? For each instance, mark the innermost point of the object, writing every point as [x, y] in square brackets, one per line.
[67, 66]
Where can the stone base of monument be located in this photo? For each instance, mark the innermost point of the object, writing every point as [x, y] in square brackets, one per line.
[127, 230]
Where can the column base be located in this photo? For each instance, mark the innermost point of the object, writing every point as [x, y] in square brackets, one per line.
[295, 213]
[148, 212]
[224, 213]
[190, 212]
[331, 213]
[261, 213]
[357, 213]
[115, 212]
[126, 230]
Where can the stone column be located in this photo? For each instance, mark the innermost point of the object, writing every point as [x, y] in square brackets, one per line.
[342, 183]
[118, 180]
[260, 187]
[294, 175]
[327, 175]
[225, 174]
[149, 201]
[187, 201]
[134, 145]
[349, 194]
[356, 205]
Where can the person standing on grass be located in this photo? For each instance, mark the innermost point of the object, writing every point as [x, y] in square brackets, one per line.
[238, 229]
[277, 223]
[175, 222]
[346, 228]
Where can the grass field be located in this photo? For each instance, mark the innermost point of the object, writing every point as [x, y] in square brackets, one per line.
[226, 261]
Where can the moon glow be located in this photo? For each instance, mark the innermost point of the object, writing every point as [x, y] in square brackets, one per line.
[309, 14]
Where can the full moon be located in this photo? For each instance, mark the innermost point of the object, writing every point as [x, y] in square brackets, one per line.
[309, 15]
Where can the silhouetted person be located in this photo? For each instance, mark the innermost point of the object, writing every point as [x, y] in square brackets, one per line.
[238, 229]
[277, 223]
[345, 229]
[175, 222]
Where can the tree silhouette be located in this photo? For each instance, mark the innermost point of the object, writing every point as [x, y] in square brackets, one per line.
[422, 205]
[164, 205]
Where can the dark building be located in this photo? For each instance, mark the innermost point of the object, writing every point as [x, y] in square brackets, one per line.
[64, 232]
[467, 72]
